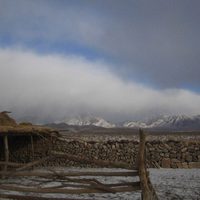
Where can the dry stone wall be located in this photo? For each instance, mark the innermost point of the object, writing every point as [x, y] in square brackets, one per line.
[174, 154]
[166, 154]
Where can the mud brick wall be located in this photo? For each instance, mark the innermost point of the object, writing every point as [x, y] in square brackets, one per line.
[167, 154]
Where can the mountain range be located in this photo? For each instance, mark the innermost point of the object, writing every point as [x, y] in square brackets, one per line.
[88, 120]
[173, 122]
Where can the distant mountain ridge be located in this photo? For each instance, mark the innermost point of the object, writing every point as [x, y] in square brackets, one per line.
[175, 122]
[88, 121]
[171, 122]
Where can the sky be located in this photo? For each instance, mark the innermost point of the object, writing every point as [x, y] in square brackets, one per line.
[120, 60]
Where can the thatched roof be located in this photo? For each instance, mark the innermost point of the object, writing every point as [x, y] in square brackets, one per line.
[6, 120]
[27, 130]
[8, 126]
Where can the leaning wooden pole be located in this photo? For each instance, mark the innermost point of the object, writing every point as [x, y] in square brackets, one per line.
[84, 159]
[148, 192]
[32, 147]
[142, 167]
[6, 152]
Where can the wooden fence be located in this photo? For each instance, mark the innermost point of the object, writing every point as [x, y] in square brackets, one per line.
[77, 182]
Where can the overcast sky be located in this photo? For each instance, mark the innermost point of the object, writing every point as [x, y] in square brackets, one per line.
[115, 59]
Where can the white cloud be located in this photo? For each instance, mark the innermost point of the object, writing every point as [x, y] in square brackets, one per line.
[51, 87]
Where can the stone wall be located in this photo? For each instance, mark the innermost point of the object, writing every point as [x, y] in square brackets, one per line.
[170, 154]
[167, 154]
[125, 151]
[174, 154]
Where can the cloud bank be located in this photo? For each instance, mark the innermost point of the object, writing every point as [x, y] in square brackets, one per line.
[44, 88]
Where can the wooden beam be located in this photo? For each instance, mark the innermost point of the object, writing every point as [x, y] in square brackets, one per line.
[6, 152]
[142, 167]
[137, 183]
[31, 164]
[63, 174]
[73, 174]
[12, 164]
[28, 197]
[84, 159]
[148, 192]
[32, 147]
[68, 191]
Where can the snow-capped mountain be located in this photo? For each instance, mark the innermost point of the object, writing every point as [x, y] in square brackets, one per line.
[177, 122]
[173, 122]
[135, 124]
[88, 121]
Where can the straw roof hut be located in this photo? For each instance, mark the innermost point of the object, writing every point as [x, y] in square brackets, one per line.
[9, 126]
[23, 134]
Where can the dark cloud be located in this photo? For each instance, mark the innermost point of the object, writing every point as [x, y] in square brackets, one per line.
[157, 41]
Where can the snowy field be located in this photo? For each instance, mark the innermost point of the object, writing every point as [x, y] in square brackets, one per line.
[170, 184]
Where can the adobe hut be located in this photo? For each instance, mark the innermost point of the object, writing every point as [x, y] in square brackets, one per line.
[18, 141]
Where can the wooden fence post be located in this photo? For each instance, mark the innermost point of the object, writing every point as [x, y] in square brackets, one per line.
[142, 167]
[148, 192]
[6, 152]
[32, 147]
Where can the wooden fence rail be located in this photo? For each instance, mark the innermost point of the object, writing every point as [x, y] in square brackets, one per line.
[79, 184]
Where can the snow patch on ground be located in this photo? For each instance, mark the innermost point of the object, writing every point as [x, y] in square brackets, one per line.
[174, 184]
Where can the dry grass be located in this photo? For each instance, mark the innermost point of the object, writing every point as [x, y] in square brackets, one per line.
[25, 124]
[9, 126]
[6, 120]
[27, 130]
